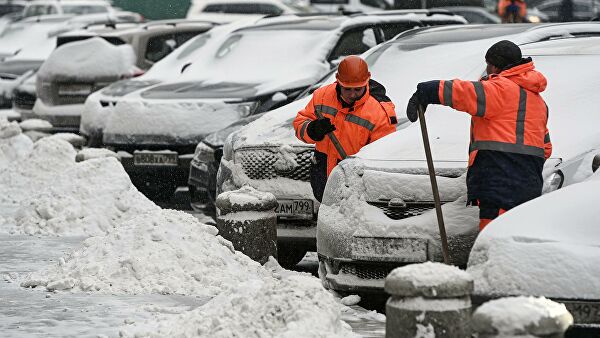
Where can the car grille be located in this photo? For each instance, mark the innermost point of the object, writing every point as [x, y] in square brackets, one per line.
[262, 163]
[410, 210]
[24, 100]
[366, 271]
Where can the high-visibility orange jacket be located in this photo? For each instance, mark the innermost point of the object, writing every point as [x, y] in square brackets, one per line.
[509, 137]
[519, 5]
[370, 118]
[508, 113]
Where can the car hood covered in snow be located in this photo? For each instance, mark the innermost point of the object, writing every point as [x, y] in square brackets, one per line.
[552, 253]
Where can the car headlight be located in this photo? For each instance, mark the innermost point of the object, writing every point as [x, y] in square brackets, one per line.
[534, 19]
[74, 89]
[553, 182]
[246, 108]
[204, 153]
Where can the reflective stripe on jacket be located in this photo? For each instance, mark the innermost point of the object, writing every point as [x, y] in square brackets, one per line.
[508, 113]
[369, 119]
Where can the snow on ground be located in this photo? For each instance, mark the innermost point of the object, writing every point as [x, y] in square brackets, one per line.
[141, 249]
[90, 58]
[54, 195]
[158, 252]
[552, 253]
[293, 305]
[32, 124]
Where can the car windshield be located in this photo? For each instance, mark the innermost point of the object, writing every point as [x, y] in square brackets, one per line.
[263, 56]
[84, 9]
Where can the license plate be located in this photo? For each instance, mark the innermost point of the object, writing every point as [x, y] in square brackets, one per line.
[74, 89]
[388, 249]
[154, 159]
[583, 312]
[294, 207]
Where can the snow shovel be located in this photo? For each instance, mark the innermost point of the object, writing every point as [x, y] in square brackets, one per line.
[334, 139]
[434, 186]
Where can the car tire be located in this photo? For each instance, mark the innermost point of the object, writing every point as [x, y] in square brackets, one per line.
[289, 257]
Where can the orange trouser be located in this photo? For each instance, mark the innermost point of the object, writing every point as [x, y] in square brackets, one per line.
[488, 214]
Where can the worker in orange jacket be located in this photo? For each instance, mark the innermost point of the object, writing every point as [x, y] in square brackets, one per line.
[353, 111]
[512, 11]
[509, 135]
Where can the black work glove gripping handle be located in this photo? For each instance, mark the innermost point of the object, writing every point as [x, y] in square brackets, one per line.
[318, 128]
[412, 108]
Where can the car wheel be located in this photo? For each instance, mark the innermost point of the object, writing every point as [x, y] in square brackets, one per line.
[289, 257]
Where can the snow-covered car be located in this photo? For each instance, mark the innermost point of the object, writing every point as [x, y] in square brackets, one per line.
[25, 45]
[205, 164]
[62, 94]
[583, 10]
[378, 211]
[100, 104]
[225, 11]
[364, 6]
[553, 253]
[75, 7]
[231, 80]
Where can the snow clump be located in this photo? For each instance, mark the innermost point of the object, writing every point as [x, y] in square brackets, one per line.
[158, 252]
[294, 305]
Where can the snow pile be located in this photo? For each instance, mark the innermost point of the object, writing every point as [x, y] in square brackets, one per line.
[516, 315]
[90, 198]
[90, 153]
[512, 256]
[161, 251]
[430, 275]
[291, 306]
[32, 124]
[13, 145]
[88, 59]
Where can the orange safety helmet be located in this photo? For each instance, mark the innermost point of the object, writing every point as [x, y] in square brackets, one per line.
[353, 72]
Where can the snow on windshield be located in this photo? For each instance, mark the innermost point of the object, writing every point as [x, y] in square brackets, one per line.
[89, 58]
[268, 57]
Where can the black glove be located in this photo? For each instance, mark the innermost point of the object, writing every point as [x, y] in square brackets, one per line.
[412, 112]
[317, 129]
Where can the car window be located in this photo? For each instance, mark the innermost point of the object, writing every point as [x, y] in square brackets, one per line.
[194, 45]
[392, 29]
[183, 37]
[243, 8]
[160, 46]
[376, 3]
[83, 9]
[35, 10]
[354, 42]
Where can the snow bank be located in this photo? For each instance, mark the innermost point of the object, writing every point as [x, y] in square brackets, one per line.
[14, 146]
[33, 124]
[515, 315]
[161, 251]
[53, 195]
[89, 198]
[291, 306]
[87, 59]
[550, 253]
[90, 153]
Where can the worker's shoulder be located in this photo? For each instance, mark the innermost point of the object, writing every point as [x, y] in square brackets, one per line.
[377, 91]
[325, 89]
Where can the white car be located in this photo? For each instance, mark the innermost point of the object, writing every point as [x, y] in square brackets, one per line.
[225, 11]
[73, 7]
[378, 212]
[545, 247]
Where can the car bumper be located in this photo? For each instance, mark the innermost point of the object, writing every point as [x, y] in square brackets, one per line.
[157, 175]
[64, 118]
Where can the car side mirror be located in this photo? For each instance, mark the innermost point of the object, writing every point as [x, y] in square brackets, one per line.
[596, 163]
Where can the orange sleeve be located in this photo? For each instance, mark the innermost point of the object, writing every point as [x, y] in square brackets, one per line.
[466, 96]
[303, 118]
[383, 125]
[547, 145]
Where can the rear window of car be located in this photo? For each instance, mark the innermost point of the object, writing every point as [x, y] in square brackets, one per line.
[84, 9]
[244, 8]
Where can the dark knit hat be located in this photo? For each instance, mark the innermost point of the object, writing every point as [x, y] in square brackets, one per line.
[503, 53]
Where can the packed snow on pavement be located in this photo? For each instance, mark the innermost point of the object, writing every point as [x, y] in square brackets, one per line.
[138, 248]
